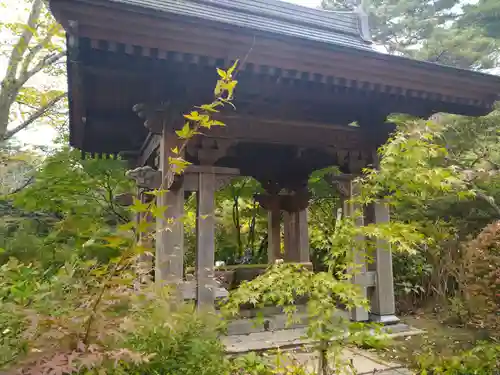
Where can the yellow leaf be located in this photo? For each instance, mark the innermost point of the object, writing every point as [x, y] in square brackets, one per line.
[178, 164]
[194, 116]
[217, 123]
[232, 69]
[175, 150]
[222, 73]
[211, 107]
[138, 206]
[218, 88]
[156, 192]
[185, 132]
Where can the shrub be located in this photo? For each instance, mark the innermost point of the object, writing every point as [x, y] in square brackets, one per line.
[482, 278]
[483, 359]
[178, 340]
[45, 320]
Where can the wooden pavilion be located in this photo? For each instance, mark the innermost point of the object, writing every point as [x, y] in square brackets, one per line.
[306, 75]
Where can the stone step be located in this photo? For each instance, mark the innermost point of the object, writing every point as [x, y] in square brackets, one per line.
[292, 337]
[273, 320]
[269, 323]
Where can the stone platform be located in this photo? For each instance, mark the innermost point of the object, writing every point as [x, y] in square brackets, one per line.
[361, 362]
[274, 334]
[290, 338]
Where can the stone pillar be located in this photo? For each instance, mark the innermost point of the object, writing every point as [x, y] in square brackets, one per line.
[205, 244]
[169, 261]
[358, 314]
[382, 297]
[274, 234]
[348, 189]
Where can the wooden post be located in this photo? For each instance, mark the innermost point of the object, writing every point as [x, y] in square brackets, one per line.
[205, 244]
[291, 248]
[146, 242]
[302, 235]
[170, 228]
[274, 234]
[382, 299]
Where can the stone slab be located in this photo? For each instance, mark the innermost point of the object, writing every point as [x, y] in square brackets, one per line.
[355, 362]
[189, 291]
[260, 341]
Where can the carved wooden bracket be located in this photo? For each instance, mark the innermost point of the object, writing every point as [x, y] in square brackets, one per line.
[125, 199]
[145, 177]
[209, 150]
[267, 201]
[295, 202]
[289, 203]
[357, 161]
[271, 187]
[154, 116]
[341, 183]
[343, 188]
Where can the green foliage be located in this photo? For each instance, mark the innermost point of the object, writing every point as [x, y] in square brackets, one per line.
[279, 363]
[482, 359]
[484, 14]
[412, 274]
[67, 185]
[325, 294]
[252, 364]
[441, 178]
[177, 341]
[481, 279]
[446, 31]
[241, 223]
[86, 316]
[412, 152]
[322, 216]
[45, 322]
[71, 202]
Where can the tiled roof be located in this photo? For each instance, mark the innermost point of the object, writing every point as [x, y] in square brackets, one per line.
[340, 28]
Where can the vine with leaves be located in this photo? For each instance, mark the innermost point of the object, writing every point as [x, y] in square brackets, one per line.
[104, 298]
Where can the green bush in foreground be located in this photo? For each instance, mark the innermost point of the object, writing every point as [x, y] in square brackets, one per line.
[178, 341]
[483, 359]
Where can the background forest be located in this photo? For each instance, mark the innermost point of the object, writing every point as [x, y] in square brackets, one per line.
[442, 179]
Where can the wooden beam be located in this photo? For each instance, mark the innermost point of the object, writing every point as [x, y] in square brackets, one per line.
[212, 169]
[149, 147]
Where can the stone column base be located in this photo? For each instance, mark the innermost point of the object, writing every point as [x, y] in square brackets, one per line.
[384, 319]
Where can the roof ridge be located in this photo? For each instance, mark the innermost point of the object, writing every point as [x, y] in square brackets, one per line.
[340, 28]
[345, 21]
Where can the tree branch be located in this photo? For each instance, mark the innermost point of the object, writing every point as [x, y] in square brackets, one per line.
[37, 48]
[45, 62]
[24, 185]
[35, 116]
[491, 202]
[22, 44]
